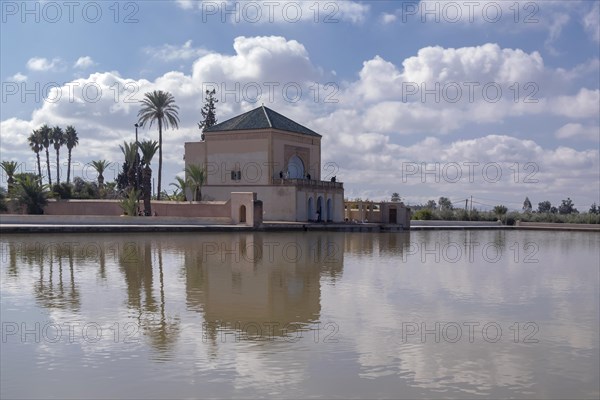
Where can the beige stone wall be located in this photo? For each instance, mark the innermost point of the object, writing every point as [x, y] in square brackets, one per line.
[242, 208]
[162, 208]
[366, 212]
[223, 152]
[279, 203]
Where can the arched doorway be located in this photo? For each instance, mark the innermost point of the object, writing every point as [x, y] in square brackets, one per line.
[320, 209]
[242, 214]
[295, 168]
[329, 210]
[310, 211]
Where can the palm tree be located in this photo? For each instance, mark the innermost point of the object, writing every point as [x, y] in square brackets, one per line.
[195, 178]
[45, 132]
[100, 166]
[148, 149]
[9, 167]
[32, 194]
[129, 203]
[159, 106]
[35, 142]
[58, 139]
[71, 140]
[130, 151]
[500, 211]
[181, 187]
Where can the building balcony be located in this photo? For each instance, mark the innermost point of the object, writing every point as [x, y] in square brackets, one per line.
[311, 183]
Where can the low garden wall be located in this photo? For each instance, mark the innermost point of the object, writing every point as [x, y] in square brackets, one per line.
[161, 208]
[241, 209]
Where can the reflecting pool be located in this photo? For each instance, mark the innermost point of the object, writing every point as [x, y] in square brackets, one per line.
[427, 314]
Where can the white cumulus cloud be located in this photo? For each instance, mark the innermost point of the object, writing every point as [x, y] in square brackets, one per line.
[43, 64]
[169, 52]
[84, 62]
[18, 77]
[575, 130]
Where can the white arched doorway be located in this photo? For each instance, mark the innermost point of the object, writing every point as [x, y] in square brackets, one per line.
[295, 168]
[310, 211]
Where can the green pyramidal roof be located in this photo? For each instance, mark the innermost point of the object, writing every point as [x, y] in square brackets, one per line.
[261, 118]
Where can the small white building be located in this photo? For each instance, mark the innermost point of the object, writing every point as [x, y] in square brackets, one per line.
[265, 152]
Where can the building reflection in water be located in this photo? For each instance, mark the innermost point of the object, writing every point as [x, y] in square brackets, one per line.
[259, 286]
[253, 285]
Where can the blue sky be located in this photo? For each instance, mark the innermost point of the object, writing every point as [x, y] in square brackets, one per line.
[372, 52]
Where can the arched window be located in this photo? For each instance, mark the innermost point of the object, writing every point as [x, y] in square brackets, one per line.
[295, 168]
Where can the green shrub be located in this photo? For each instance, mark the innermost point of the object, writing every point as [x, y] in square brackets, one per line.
[129, 204]
[423, 215]
[62, 191]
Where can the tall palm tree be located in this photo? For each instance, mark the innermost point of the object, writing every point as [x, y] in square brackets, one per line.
[159, 106]
[100, 166]
[195, 178]
[71, 140]
[58, 140]
[148, 149]
[45, 134]
[130, 151]
[9, 167]
[35, 142]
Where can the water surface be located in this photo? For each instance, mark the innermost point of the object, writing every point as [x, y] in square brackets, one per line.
[296, 315]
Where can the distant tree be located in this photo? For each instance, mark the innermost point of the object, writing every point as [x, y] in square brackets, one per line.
[100, 166]
[35, 142]
[594, 209]
[396, 197]
[58, 139]
[85, 190]
[71, 140]
[45, 136]
[500, 211]
[209, 114]
[445, 204]
[527, 205]
[567, 207]
[553, 210]
[544, 207]
[431, 205]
